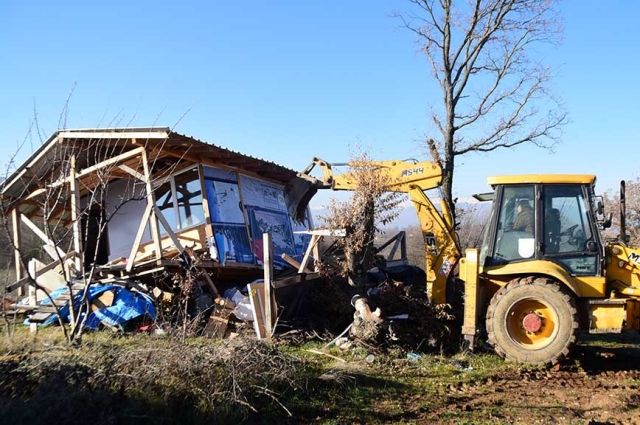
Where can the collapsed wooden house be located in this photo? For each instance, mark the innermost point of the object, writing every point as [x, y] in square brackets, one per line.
[127, 203]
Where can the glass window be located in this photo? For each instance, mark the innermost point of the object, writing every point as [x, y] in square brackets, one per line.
[515, 239]
[164, 202]
[486, 237]
[180, 201]
[566, 224]
[566, 228]
[189, 198]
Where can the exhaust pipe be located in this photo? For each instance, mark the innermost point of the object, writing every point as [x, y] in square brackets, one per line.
[623, 213]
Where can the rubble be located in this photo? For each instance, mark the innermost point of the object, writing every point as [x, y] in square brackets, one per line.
[404, 320]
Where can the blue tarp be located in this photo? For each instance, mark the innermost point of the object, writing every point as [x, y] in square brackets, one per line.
[127, 305]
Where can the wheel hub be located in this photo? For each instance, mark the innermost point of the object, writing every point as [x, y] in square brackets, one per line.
[532, 322]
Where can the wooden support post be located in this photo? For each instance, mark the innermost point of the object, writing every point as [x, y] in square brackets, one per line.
[75, 216]
[17, 243]
[208, 229]
[131, 171]
[312, 243]
[43, 236]
[139, 235]
[168, 228]
[293, 262]
[151, 200]
[33, 295]
[267, 256]
[316, 255]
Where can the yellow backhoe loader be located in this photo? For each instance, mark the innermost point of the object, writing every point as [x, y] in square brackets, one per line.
[543, 272]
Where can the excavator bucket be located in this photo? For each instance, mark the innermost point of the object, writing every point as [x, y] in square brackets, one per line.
[298, 192]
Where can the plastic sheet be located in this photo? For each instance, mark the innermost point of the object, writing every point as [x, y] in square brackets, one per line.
[127, 305]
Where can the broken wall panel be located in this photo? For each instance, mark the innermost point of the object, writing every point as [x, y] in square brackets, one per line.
[227, 216]
[267, 213]
[125, 206]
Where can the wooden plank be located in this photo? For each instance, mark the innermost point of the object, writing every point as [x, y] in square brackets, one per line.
[88, 171]
[75, 214]
[49, 144]
[323, 232]
[39, 233]
[99, 135]
[151, 200]
[138, 238]
[257, 299]
[38, 318]
[312, 243]
[131, 171]
[17, 243]
[36, 230]
[44, 269]
[256, 294]
[205, 203]
[293, 263]
[33, 295]
[167, 227]
[218, 322]
[267, 257]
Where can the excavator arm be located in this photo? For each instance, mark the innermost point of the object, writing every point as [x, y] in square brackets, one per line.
[442, 251]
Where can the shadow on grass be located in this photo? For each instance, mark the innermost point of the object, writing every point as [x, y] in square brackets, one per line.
[608, 353]
[358, 398]
[64, 393]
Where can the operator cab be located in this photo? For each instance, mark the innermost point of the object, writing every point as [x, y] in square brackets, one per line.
[548, 217]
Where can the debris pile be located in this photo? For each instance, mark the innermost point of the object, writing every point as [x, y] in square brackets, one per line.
[392, 316]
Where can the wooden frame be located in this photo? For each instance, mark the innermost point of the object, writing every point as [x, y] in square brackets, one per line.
[151, 199]
[75, 215]
[17, 243]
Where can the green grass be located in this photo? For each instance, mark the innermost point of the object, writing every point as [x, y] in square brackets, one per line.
[389, 389]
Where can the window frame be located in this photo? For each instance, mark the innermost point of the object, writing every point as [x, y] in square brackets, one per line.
[174, 198]
[495, 219]
[591, 225]
[540, 253]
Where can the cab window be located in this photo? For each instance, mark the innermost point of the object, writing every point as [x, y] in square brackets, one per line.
[566, 228]
[515, 239]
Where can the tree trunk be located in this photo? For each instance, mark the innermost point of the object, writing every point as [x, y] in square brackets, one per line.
[447, 184]
[449, 157]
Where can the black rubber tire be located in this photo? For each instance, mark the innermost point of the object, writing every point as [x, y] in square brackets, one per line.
[552, 295]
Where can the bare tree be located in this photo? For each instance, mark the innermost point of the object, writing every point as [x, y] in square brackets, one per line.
[495, 90]
[632, 202]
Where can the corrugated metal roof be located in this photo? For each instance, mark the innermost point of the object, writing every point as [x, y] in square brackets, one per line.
[37, 164]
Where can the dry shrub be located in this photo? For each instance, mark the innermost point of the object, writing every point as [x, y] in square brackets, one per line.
[242, 373]
[116, 382]
[370, 207]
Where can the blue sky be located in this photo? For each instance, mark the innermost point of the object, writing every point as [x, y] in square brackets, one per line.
[289, 80]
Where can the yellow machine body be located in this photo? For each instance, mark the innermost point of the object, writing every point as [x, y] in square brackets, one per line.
[608, 301]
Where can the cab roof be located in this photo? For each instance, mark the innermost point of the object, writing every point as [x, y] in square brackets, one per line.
[543, 178]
